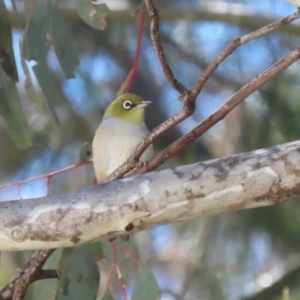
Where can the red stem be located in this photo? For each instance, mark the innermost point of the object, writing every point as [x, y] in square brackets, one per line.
[47, 176]
[32, 5]
[133, 71]
[115, 263]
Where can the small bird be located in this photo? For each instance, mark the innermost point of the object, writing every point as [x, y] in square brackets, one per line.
[122, 129]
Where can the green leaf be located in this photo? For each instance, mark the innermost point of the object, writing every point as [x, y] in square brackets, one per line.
[27, 10]
[80, 277]
[37, 99]
[37, 50]
[49, 88]
[146, 286]
[107, 296]
[36, 46]
[64, 50]
[96, 249]
[7, 60]
[12, 111]
[37, 12]
[107, 250]
[37, 41]
[40, 8]
[93, 15]
[51, 29]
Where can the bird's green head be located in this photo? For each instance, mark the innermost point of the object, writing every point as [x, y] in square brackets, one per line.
[128, 107]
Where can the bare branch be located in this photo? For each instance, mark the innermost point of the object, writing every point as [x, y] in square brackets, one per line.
[154, 32]
[17, 288]
[238, 42]
[191, 56]
[221, 113]
[189, 98]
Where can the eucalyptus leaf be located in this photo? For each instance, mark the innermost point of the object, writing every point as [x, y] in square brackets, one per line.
[27, 10]
[37, 99]
[64, 50]
[12, 111]
[37, 50]
[7, 60]
[36, 47]
[49, 88]
[80, 277]
[146, 286]
[107, 296]
[40, 11]
[93, 15]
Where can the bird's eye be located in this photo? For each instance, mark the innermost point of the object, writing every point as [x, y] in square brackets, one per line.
[127, 104]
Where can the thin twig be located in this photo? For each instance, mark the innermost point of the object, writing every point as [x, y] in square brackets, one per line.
[132, 74]
[47, 176]
[195, 58]
[154, 31]
[238, 42]
[117, 268]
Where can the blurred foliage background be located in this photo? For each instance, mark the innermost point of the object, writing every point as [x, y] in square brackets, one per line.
[251, 254]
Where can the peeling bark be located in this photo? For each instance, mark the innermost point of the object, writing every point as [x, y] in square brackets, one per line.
[248, 180]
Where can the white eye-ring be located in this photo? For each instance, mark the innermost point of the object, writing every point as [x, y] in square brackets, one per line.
[127, 104]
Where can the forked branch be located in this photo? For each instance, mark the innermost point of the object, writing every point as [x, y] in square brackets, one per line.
[189, 97]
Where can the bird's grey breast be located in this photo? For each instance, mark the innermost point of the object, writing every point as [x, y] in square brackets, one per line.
[122, 139]
[114, 141]
[124, 130]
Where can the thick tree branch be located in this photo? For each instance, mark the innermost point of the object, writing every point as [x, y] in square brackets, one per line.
[259, 178]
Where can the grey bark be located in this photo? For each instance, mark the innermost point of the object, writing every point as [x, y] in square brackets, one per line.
[258, 178]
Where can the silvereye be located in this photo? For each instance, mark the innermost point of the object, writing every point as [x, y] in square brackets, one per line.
[122, 129]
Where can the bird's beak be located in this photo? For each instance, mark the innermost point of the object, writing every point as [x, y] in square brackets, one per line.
[144, 104]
